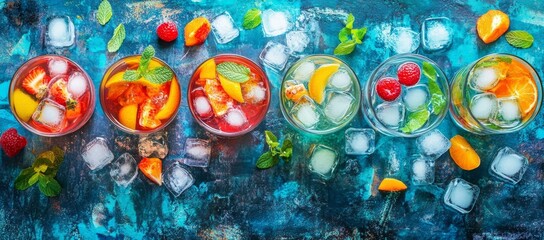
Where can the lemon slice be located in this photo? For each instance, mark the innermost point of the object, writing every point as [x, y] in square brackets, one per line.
[319, 80]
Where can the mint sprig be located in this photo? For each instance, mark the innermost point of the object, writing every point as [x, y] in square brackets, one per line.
[416, 120]
[234, 72]
[349, 37]
[43, 171]
[104, 13]
[272, 157]
[157, 75]
[438, 100]
[520, 39]
[117, 39]
[252, 19]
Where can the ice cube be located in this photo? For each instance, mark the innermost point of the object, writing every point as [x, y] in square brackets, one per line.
[77, 84]
[224, 28]
[508, 113]
[338, 106]
[177, 179]
[97, 154]
[306, 113]
[404, 40]
[483, 106]
[416, 97]
[197, 152]
[422, 170]
[124, 170]
[509, 165]
[304, 71]
[60, 32]
[153, 145]
[483, 79]
[254, 93]
[323, 160]
[202, 107]
[461, 195]
[50, 114]
[275, 23]
[275, 55]
[57, 67]
[433, 144]
[340, 80]
[236, 118]
[390, 114]
[436, 33]
[360, 141]
[297, 41]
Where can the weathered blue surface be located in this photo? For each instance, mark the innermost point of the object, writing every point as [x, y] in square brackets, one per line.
[232, 199]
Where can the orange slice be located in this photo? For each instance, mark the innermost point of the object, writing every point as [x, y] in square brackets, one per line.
[196, 31]
[523, 88]
[392, 185]
[295, 92]
[463, 154]
[318, 82]
[492, 25]
[233, 89]
[207, 70]
[172, 103]
[219, 99]
[152, 169]
[128, 116]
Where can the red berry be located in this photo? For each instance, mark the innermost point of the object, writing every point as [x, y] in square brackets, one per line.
[167, 31]
[388, 88]
[409, 73]
[12, 142]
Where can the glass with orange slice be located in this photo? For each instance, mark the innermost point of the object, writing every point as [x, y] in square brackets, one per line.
[229, 95]
[499, 93]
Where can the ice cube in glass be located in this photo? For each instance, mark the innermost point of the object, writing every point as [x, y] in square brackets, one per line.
[338, 105]
[77, 84]
[360, 141]
[304, 71]
[509, 165]
[340, 80]
[177, 179]
[461, 195]
[416, 97]
[306, 113]
[508, 113]
[97, 154]
[484, 78]
[390, 114]
[322, 160]
[50, 114]
[483, 106]
[124, 170]
[57, 67]
[197, 152]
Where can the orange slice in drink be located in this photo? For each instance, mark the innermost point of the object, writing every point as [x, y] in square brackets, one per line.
[219, 99]
[207, 70]
[392, 185]
[152, 169]
[172, 103]
[295, 92]
[492, 25]
[318, 82]
[128, 116]
[523, 88]
[233, 89]
[463, 154]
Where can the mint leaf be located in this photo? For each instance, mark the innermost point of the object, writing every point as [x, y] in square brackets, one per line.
[438, 100]
[345, 48]
[49, 186]
[41, 165]
[159, 75]
[416, 120]
[54, 167]
[267, 160]
[131, 75]
[145, 59]
[343, 35]
[358, 34]
[490, 62]
[519, 39]
[252, 19]
[234, 72]
[286, 150]
[34, 179]
[117, 39]
[271, 140]
[429, 71]
[104, 12]
[349, 21]
[22, 181]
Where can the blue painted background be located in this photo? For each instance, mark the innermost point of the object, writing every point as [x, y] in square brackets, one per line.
[231, 198]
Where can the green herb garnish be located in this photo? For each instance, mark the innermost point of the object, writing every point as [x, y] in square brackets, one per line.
[520, 39]
[349, 37]
[438, 100]
[157, 75]
[43, 171]
[490, 62]
[117, 39]
[234, 72]
[275, 152]
[252, 19]
[416, 120]
[104, 12]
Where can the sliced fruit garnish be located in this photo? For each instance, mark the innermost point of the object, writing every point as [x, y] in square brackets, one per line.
[116, 90]
[218, 98]
[35, 83]
[318, 82]
[152, 169]
[207, 70]
[128, 116]
[135, 94]
[148, 114]
[172, 103]
[392, 185]
[463, 154]
[492, 25]
[523, 88]
[196, 31]
[295, 92]
[74, 111]
[24, 105]
[233, 89]
[59, 93]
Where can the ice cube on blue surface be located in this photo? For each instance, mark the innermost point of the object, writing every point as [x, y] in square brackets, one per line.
[153, 145]
[416, 97]
[461, 195]
[297, 41]
[360, 141]
[509, 165]
[275, 55]
[404, 40]
[60, 32]
[483, 106]
[322, 160]
[224, 29]
[483, 79]
[508, 113]
[57, 67]
[340, 80]
[433, 144]
[97, 154]
[337, 106]
[436, 33]
[390, 114]
[306, 113]
[124, 170]
[50, 114]
[422, 170]
[197, 152]
[275, 22]
[177, 179]
[304, 71]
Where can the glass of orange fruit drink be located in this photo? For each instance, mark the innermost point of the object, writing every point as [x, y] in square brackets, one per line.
[51, 96]
[229, 95]
[140, 94]
[499, 93]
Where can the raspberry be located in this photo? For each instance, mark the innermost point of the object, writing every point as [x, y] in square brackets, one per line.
[388, 88]
[167, 31]
[12, 142]
[409, 73]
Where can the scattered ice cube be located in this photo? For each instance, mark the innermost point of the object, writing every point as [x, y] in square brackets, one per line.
[390, 114]
[124, 170]
[57, 67]
[404, 40]
[304, 71]
[60, 32]
[337, 106]
[422, 170]
[197, 152]
[224, 28]
[97, 154]
[436, 33]
[483, 106]
[508, 113]
[483, 79]
[50, 114]
[416, 97]
[177, 179]
[153, 145]
[360, 141]
[77, 84]
[433, 143]
[306, 113]
[461, 195]
[509, 165]
[236, 118]
[323, 160]
[275, 55]
[275, 23]
[202, 107]
[297, 41]
[340, 80]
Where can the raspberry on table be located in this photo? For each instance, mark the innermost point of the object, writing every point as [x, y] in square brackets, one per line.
[12, 143]
[167, 31]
